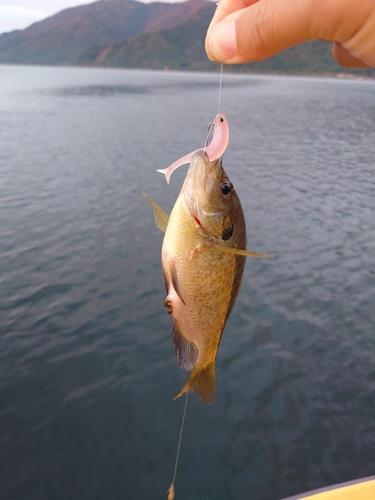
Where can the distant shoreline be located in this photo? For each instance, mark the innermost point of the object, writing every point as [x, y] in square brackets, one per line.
[227, 71]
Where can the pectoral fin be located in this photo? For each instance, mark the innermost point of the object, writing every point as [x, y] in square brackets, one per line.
[245, 253]
[161, 217]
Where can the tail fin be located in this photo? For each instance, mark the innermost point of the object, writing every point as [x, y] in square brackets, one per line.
[202, 382]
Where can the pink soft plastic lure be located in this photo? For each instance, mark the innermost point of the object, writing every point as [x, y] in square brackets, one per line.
[214, 150]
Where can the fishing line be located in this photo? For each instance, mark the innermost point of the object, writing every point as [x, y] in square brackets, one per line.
[171, 488]
[220, 85]
[210, 126]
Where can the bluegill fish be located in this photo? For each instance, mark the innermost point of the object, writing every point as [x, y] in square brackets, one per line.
[203, 258]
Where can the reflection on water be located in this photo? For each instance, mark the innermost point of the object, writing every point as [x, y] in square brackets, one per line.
[96, 90]
[176, 88]
[87, 372]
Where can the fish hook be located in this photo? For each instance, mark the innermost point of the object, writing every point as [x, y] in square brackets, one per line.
[210, 127]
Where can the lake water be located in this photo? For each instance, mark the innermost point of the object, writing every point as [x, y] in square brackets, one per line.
[87, 371]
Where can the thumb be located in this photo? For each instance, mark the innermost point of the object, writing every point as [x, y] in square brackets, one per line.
[346, 58]
[243, 31]
[257, 31]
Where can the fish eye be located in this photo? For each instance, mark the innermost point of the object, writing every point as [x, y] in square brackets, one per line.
[221, 119]
[226, 188]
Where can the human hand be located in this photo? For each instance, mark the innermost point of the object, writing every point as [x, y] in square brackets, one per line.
[252, 30]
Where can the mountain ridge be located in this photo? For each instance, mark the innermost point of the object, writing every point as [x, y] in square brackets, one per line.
[63, 37]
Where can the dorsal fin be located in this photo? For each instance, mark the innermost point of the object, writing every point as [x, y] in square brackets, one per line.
[161, 217]
[186, 352]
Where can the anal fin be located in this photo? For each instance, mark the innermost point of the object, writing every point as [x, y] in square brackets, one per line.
[186, 351]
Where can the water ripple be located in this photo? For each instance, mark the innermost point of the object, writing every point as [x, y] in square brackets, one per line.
[88, 373]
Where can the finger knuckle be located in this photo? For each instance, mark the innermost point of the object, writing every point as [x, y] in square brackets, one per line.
[261, 33]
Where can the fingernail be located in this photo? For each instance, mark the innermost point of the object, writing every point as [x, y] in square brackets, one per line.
[223, 41]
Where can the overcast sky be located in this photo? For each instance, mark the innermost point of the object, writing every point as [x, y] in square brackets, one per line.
[18, 14]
